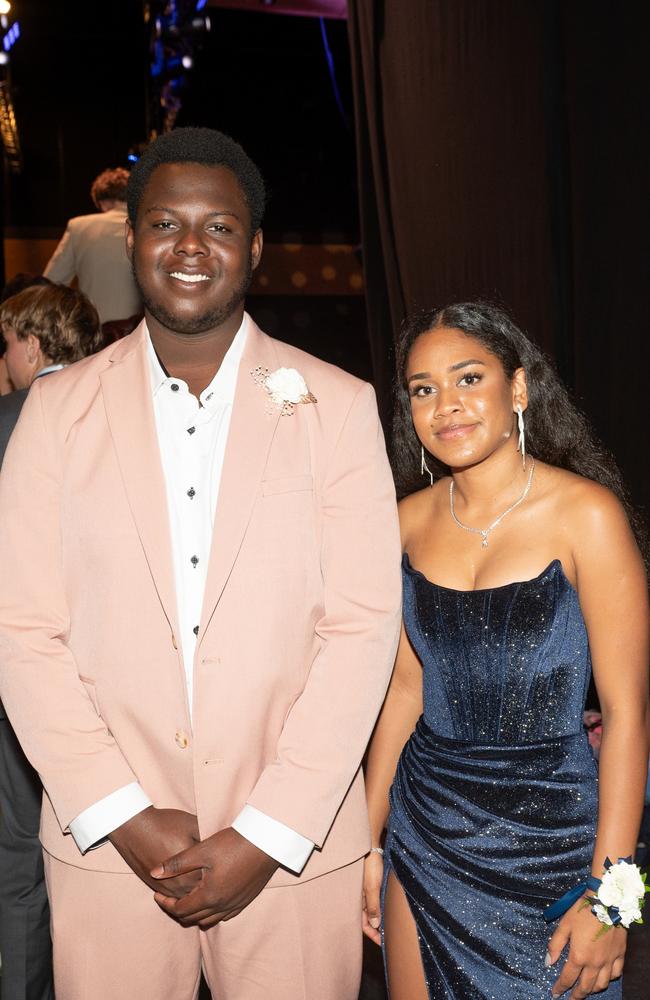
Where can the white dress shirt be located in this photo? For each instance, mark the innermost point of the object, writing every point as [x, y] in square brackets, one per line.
[47, 370]
[192, 437]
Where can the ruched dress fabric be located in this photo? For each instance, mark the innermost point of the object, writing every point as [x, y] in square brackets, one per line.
[494, 802]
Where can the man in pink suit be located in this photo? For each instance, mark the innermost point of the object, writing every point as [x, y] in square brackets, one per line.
[199, 606]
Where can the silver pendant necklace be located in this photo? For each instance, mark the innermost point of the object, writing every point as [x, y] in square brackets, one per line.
[484, 532]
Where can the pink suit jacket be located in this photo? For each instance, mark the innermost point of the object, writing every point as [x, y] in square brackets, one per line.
[300, 616]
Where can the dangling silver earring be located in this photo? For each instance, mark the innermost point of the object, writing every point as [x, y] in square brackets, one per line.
[521, 446]
[424, 467]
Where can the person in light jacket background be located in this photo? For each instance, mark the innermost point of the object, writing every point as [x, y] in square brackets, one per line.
[92, 250]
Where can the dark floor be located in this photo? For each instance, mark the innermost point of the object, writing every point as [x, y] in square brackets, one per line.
[637, 969]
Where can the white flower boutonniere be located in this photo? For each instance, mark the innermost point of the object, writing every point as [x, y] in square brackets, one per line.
[286, 387]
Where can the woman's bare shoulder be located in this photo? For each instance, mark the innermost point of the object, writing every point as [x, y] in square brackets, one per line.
[590, 515]
[582, 498]
[417, 509]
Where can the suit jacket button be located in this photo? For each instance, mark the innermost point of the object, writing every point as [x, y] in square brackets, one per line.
[174, 643]
[182, 740]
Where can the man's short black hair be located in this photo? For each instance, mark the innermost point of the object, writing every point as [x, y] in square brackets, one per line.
[205, 146]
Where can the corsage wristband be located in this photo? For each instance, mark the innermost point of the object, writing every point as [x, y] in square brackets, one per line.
[621, 894]
[616, 900]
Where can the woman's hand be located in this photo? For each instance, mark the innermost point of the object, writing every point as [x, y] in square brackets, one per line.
[373, 873]
[593, 960]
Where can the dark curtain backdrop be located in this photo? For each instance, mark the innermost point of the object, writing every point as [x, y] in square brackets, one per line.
[503, 152]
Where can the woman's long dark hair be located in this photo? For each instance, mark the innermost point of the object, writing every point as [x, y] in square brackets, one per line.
[556, 431]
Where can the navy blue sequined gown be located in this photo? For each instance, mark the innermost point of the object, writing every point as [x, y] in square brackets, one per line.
[494, 803]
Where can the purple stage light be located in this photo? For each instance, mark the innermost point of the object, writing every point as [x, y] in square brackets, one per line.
[303, 8]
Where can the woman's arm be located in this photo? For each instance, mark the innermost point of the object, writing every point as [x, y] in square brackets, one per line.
[613, 593]
[402, 708]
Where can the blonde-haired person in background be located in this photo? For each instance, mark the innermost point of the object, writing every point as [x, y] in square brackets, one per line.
[93, 250]
[20, 281]
[46, 328]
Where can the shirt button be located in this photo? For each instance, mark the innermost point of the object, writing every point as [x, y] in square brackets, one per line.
[174, 387]
[191, 492]
[190, 430]
[195, 561]
[181, 739]
[196, 630]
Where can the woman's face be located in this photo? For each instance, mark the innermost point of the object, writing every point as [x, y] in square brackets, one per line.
[462, 404]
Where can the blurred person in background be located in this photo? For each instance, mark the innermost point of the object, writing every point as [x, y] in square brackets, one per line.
[16, 284]
[93, 250]
[46, 327]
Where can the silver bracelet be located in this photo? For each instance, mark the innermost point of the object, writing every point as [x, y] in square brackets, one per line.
[377, 850]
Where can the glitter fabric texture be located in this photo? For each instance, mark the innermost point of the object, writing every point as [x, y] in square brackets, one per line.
[494, 803]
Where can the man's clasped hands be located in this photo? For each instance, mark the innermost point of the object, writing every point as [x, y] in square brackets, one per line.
[199, 882]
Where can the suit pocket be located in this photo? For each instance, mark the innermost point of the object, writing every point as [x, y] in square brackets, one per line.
[287, 484]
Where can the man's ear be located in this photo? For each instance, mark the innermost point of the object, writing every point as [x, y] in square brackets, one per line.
[256, 248]
[32, 347]
[130, 239]
[519, 390]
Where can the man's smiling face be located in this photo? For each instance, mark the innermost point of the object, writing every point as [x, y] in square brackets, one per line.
[191, 249]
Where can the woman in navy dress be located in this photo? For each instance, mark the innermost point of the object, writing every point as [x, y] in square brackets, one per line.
[521, 575]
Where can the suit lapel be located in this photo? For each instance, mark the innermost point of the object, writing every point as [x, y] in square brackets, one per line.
[126, 388]
[252, 427]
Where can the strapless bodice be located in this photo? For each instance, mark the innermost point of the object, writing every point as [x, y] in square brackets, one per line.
[504, 665]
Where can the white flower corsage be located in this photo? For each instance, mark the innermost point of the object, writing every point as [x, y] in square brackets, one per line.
[286, 387]
[619, 896]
